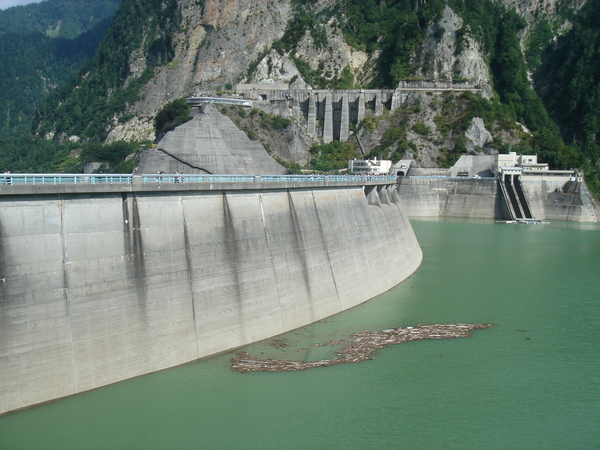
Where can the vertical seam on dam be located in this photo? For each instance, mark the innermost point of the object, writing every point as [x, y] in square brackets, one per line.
[64, 256]
[66, 293]
[324, 243]
[363, 239]
[188, 263]
[3, 267]
[269, 246]
[133, 246]
[299, 243]
[233, 257]
[139, 264]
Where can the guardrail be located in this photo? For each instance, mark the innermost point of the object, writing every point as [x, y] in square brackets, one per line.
[34, 179]
[63, 178]
[444, 177]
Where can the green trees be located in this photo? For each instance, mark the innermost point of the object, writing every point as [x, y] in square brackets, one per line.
[32, 65]
[26, 153]
[331, 156]
[396, 28]
[171, 116]
[539, 39]
[111, 154]
[569, 82]
[57, 18]
[104, 88]
[40, 46]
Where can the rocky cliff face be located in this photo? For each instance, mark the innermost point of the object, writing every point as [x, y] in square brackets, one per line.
[440, 58]
[534, 10]
[220, 43]
[218, 40]
[216, 45]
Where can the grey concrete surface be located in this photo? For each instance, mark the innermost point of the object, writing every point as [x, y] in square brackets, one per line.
[481, 198]
[447, 197]
[99, 287]
[209, 143]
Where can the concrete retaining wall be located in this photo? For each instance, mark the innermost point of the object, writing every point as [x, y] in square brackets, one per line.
[556, 200]
[448, 197]
[100, 287]
[481, 198]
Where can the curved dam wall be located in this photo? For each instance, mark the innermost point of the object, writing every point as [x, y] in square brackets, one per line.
[99, 287]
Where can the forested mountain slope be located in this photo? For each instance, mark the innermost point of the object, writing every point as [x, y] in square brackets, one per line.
[57, 18]
[41, 44]
[158, 51]
[569, 83]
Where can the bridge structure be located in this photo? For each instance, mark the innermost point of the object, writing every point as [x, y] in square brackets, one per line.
[328, 114]
[202, 100]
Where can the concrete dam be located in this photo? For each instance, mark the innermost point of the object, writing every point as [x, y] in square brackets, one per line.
[481, 198]
[108, 281]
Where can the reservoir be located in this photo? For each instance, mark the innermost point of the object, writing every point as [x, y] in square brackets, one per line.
[531, 382]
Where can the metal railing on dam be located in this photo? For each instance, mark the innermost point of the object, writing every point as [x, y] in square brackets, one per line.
[446, 177]
[12, 184]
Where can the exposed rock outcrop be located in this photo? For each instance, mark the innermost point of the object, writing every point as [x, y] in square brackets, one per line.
[440, 59]
[135, 129]
[276, 68]
[477, 135]
[217, 43]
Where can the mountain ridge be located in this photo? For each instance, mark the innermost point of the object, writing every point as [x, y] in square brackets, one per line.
[157, 51]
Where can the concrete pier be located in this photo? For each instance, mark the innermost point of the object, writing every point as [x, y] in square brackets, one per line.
[344, 119]
[328, 119]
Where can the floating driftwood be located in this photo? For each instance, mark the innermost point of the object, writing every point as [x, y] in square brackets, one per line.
[363, 345]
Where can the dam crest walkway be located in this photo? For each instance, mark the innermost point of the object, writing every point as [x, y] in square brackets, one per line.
[24, 184]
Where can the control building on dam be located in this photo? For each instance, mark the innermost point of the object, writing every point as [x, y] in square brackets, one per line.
[327, 114]
[104, 278]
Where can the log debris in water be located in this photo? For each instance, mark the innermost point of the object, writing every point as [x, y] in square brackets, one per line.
[362, 347]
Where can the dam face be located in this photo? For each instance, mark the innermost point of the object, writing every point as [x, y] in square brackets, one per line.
[450, 197]
[99, 287]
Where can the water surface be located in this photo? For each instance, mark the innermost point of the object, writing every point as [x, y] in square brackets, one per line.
[532, 382]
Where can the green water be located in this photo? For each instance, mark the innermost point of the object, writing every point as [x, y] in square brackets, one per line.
[532, 382]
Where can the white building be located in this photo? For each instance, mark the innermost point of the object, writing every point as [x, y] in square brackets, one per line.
[528, 166]
[370, 166]
[526, 162]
